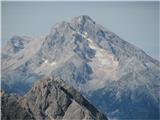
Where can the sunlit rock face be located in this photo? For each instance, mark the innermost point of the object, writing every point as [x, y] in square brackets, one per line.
[117, 77]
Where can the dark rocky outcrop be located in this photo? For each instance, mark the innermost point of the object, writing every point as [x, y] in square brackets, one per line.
[49, 99]
[11, 108]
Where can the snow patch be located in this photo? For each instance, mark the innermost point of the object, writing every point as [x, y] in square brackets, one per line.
[104, 58]
[49, 63]
[92, 46]
[46, 61]
[53, 63]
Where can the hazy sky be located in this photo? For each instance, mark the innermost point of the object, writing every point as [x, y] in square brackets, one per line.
[135, 22]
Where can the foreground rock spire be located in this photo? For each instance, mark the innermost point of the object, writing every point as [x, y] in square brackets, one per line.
[49, 99]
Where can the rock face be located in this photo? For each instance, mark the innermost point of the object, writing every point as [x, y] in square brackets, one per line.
[49, 99]
[96, 62]
[12, 110]
[15, 45]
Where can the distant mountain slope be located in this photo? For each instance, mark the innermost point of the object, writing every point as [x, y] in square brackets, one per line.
[49, 99]
[93, 60]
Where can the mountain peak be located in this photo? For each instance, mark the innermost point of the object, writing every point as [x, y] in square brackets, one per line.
[93, 60]
[60, 27]
[62, 23]
[15, 44]
[18, 41]
[82, 19]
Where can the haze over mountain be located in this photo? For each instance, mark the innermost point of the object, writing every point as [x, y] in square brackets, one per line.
[117, 77]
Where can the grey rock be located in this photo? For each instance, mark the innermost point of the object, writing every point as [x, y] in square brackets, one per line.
[95, 61]
[47, 100]
[53, 99]
[12, 110]
[15, 45]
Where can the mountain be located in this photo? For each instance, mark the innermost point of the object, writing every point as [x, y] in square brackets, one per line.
[49, 99]
[117, 77]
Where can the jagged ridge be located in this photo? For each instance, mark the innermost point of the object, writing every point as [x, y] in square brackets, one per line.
[47, 100]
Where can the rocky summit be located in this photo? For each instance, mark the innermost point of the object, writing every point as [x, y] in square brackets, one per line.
[117, 77]
[49, 99]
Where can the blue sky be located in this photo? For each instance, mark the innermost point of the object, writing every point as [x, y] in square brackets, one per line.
[135, 22]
